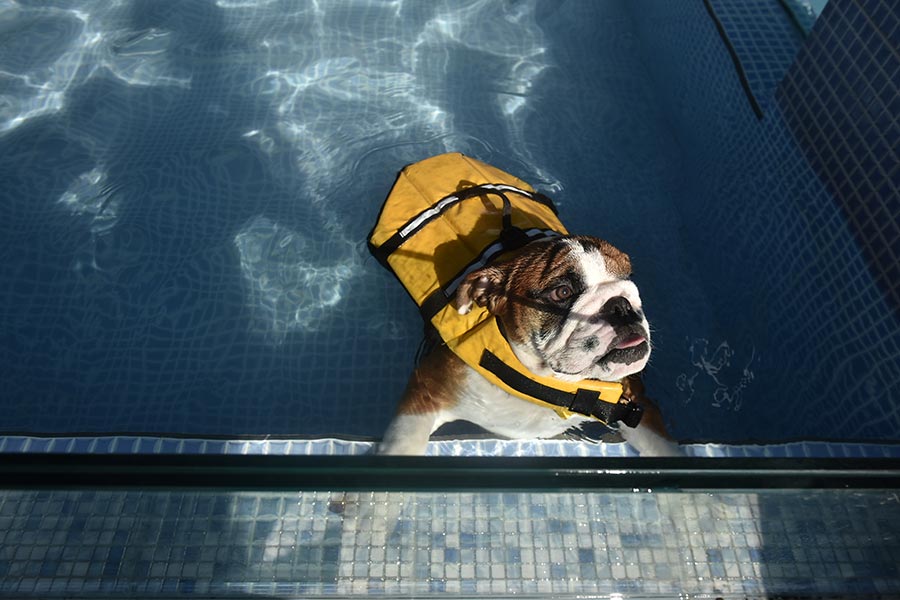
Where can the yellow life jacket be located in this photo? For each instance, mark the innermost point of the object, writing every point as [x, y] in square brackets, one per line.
[448, 216]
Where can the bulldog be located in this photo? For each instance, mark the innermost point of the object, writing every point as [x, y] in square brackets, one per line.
[569, 310]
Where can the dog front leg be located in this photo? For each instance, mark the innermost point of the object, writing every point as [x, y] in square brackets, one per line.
[408, 434]
[649, 442]
[650, 437]
[429, 395]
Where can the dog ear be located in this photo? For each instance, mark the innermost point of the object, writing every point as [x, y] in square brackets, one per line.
[483, 287]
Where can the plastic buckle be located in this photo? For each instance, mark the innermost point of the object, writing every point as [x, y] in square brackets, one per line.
[627, 412]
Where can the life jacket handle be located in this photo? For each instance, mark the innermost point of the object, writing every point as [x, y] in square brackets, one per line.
[511, 237]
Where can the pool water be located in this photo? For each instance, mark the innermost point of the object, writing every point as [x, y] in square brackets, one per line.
[187, 187]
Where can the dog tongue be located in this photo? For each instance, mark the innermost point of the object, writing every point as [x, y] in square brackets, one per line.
[630, 341]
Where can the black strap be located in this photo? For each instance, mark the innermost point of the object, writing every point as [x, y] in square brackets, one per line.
[511, 237]
[431, 339]
[433, 304]
[628, 412]
[583, 402]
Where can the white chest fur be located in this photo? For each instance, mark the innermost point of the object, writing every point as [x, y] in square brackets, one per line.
[490, 407]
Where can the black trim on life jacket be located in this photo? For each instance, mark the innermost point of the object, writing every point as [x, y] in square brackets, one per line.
[583, 402]
[437, 209]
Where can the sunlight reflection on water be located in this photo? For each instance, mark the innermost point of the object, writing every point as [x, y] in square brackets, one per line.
[338, 94]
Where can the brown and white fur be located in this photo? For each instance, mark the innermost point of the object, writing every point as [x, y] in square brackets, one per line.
[569, 311]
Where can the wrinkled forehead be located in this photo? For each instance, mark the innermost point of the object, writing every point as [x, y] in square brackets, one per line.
[595, 260]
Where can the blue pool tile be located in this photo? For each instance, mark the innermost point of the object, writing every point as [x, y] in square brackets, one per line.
[330, 554]
[560, 526]
[154, 550]
[640, 540]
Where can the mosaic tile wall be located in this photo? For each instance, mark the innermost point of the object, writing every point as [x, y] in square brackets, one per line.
[765, 41]
[56, 544]
[842, 101]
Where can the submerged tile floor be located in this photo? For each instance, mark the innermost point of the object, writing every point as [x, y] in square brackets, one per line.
[58, 543]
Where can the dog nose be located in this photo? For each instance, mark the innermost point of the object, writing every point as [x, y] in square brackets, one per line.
[618, 311]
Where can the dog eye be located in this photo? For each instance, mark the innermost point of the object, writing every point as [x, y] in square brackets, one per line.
[561, 293]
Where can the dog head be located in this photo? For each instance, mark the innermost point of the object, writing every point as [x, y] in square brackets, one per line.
[567, 307]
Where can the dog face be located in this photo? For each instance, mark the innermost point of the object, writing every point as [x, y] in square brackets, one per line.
[567, 308]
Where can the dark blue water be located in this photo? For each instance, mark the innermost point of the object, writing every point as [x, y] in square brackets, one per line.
[186, 188]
